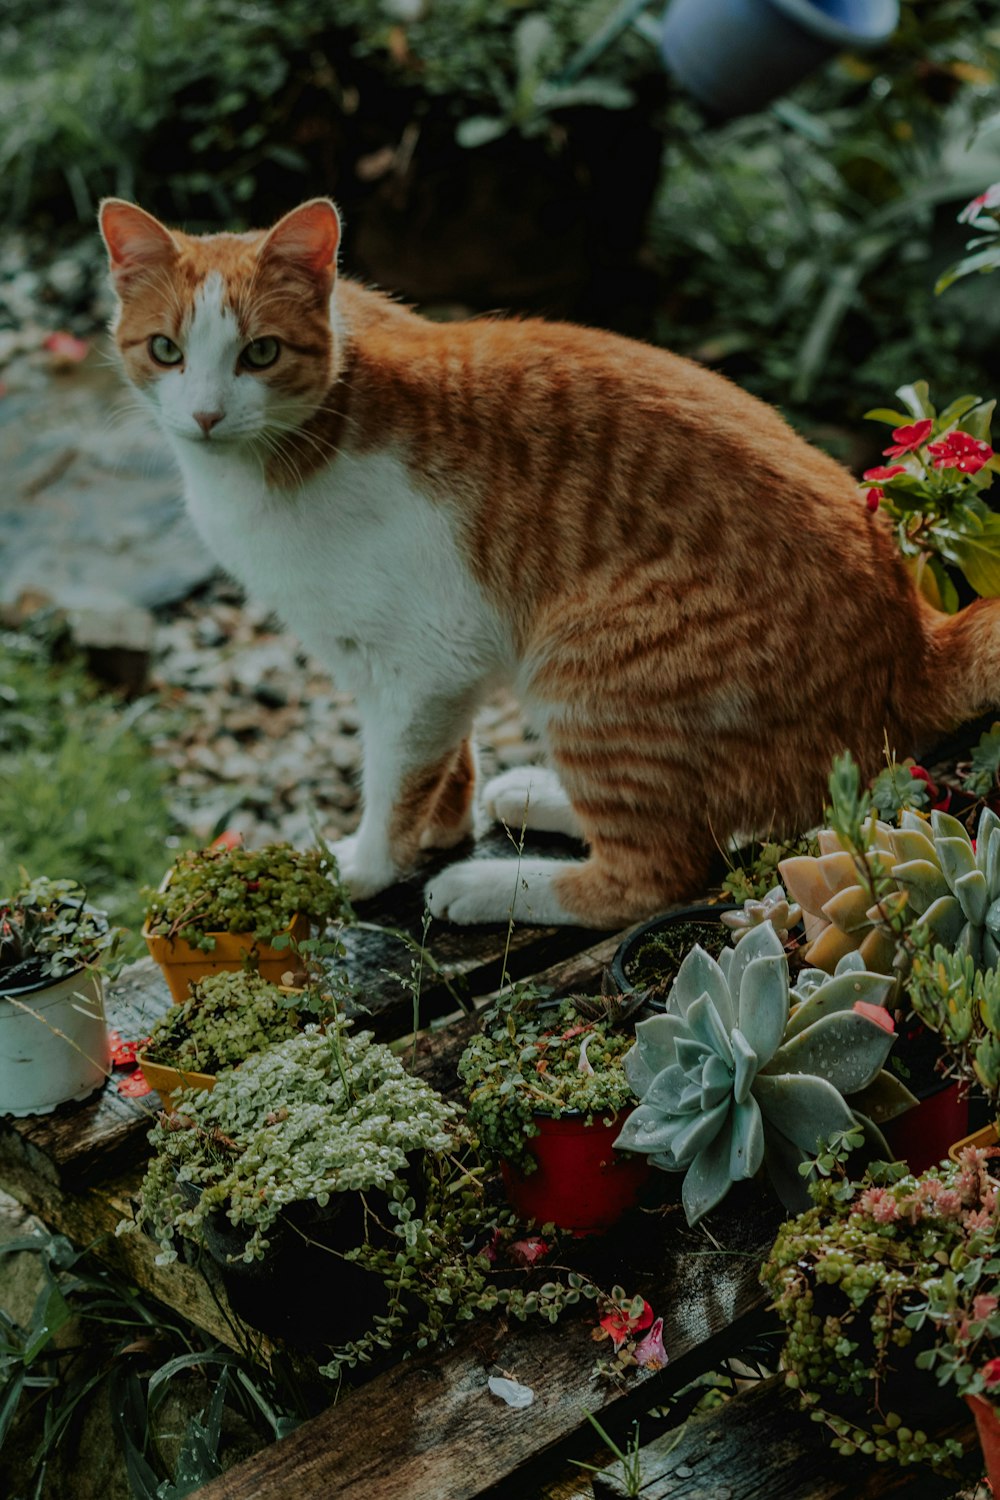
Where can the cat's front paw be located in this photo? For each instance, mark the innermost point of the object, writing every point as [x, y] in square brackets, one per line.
[497, 890]
[362, 870]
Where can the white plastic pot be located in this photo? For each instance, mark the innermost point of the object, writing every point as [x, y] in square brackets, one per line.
[53, 1044]
[736, 55]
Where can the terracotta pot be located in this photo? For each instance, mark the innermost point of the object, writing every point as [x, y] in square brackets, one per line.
[988, 1428]
[169, 1081]
[53, 1044]
[182, 965]
[580, 1183]
[923, 1136]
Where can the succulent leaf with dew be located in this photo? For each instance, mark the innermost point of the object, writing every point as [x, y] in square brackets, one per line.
[953, 883]
[838, 912]
[775, 908]
[731, 1077]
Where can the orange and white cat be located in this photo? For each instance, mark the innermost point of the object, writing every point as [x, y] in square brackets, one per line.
[694, 605]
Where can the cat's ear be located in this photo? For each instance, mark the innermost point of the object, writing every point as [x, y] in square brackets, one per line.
[135, 240]
[307, 237]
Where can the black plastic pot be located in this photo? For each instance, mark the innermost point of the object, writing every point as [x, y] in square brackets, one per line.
[716, 937]
[303, 1291]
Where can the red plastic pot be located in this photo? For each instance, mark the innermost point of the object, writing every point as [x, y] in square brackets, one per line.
[988, 1428]
[922, 1136]
[580, 1183]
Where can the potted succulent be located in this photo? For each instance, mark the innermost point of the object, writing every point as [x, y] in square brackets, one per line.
[227, 907]
[53, 1039]
[226, 1018]
[547, 1093]
[741, 1072]
[888, 1290]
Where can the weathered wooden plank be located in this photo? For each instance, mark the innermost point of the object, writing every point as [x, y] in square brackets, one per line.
[760, 1446]
[431, 1428]
[473, 959]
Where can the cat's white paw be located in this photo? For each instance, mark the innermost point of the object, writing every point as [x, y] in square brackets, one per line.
[361, 870]
[491, 890]
[530, 797]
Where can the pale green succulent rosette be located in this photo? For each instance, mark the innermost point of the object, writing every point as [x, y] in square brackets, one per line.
[953, 887]
[732, 1078]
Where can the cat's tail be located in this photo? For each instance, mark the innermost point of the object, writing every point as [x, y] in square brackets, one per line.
[964, 663]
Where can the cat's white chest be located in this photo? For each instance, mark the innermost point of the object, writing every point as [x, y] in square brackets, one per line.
[363, 566]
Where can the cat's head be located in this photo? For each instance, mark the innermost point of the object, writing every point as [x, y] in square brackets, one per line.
[228, 336]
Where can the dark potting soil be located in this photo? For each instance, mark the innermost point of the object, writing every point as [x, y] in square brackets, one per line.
[652, 967]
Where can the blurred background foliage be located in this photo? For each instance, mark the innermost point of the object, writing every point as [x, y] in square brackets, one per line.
[477, 162]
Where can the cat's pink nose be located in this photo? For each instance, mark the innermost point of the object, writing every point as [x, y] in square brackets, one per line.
[208, 419]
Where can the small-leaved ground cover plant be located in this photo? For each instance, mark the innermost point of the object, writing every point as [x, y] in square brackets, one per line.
[259, 891]
[230, 1017]
[536, 1057]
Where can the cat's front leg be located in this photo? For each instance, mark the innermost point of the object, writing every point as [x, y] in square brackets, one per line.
[418, 786]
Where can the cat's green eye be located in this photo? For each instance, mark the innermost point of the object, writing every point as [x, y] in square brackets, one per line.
[164, 350]
[260, 354]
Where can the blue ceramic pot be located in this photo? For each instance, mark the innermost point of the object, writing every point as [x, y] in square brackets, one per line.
[736, 55]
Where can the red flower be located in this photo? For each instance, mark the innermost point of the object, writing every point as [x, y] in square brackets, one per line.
[959, 450]
[909, 439]
[134, 1085]
[619, 1323]
[940, 800]
[885, 471]
[873, 497]
[527, 1252]
[991, 1374]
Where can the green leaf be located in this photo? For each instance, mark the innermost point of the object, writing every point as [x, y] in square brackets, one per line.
[955, 411]
[975, 549]
[891, 418]
[982, 263]
[978, 422]
[916, 399]
[479, 130]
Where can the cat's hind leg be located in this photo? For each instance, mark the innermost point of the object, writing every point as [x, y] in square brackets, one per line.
[531, 797]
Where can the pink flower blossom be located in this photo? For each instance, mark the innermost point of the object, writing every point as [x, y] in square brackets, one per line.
[650, 1353]
[879, 1204]
[527, 1252]
[884, 471]
[984, 1306]
[909, 439]
[986, 201]
[960, 450]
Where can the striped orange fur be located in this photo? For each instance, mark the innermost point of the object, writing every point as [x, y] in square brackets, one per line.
[700, 609]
